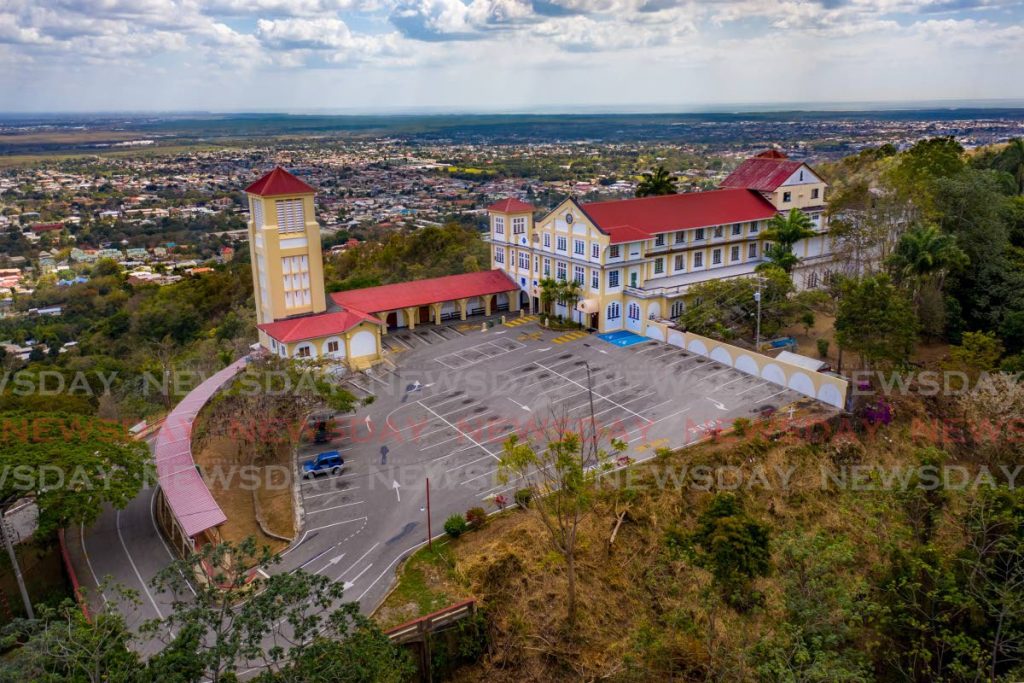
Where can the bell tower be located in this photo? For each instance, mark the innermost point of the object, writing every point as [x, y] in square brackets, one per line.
[284, 241]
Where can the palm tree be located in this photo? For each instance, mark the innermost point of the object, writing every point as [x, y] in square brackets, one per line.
[925, 254]
[783, 232]
[655, 184]
[548, 294]
[569, 293]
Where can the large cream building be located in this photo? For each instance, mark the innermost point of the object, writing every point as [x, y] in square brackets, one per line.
[635, 259]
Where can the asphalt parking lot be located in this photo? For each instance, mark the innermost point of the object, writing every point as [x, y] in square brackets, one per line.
[452, 395]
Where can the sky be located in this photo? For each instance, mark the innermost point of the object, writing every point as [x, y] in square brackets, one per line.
[500, 55]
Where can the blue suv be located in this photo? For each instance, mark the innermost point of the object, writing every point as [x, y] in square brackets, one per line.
[329, 461]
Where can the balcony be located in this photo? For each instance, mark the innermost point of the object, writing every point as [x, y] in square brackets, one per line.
[677, 285]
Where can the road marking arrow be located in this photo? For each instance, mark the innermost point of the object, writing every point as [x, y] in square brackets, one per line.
[546, 348]
[718, 404]
[395, 485]
[526, 408]
[369, 424]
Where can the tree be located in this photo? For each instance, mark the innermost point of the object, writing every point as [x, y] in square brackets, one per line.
[726, 309]
[923, 256]
[548, 294]
[292, 624]
[72, 464]
[561, 479]
[660, 182]
[875, 320]
[977, 352]
[732, 546]
[784, 232]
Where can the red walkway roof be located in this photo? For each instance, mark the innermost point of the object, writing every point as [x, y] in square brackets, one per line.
[315, 326]
[425, 292]
[278, 182]
[187, 495]
[629, 220]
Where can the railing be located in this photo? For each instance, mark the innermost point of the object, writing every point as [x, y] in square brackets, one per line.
[417, 629]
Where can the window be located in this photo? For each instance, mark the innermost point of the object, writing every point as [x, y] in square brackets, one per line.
[547, 241]
[753, 227]
[659, 240]
[718, 231]
[680, 237]
[698, 259]
[518, 226]
[815, 193]
[579, 247]
[787, 196]
[752, 250]
[499, 255]
[302, 352]
[295, 279]
[290, 215]
[613, 278]
[677, 308]
[632, 279]
[579, 274]
[659, 266]
[332, 347]
[811, 280]
[734, 254]
[499, 225]
[560, 270]
[633, 311]
[680, 262]
[536, 264]
[698, 234]
[560, 243]
[801, 176]
[614, 311]
[257, 213]
[613, 251]
[595, 250]
[737, 229]
[595, 279]
[524, 260]
[547, 267]
[716, 257]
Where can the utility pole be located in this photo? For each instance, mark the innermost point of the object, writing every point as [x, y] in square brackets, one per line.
[6, 533]
[757, 298]
[430, 533]
[593, 420]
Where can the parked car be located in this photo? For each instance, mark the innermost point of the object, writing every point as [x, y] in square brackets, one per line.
[324, 463]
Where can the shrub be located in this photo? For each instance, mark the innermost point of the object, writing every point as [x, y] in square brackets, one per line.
[456, 525]
[823, 348]
[740, 426]
[523, 497]
[476, 517]
[662, 452]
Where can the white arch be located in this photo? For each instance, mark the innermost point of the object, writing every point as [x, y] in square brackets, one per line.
[304, 345]
[363, 343]
[799, 381]
[830, 394]
[773, 373]
[720, 354]
[697, 346]
[677, 339]
[653, 311]
[340, 353]
[655, 332]
[748, 365]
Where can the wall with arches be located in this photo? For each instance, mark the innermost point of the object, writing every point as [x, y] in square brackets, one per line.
[818, 385]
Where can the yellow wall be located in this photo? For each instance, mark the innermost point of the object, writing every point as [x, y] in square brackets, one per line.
[268, 247]
[354, 346]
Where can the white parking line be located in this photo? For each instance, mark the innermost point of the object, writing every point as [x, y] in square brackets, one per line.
[763, 383]
[336, 507]
[597, 395]
[461, 432]
[459, 467]
[330, 493]
[361, 558]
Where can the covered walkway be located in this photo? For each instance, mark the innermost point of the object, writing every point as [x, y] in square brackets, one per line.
[435, 300]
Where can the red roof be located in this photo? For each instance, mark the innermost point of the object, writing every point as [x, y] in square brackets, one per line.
[762, 173]
[425, 292]
[315, 326]
[47, 227]
[630, 220]
[511, 205]
[278, 182]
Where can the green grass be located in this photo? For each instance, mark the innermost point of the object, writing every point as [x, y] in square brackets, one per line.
[414, 586]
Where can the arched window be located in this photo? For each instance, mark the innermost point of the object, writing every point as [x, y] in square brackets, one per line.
[633, 311]
[677, 308]
[614, 311]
